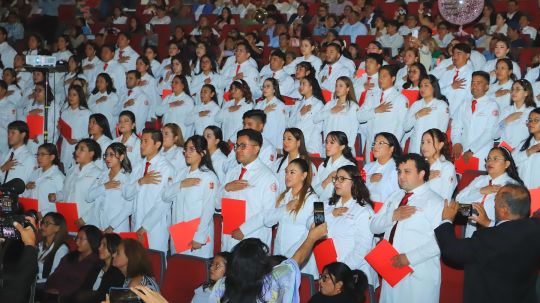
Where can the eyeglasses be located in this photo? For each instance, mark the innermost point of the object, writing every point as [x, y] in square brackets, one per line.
[324, 277]
[190, 150]
[80, 239]
[47, 224]
[41, 154]
[340, 179]
[380, 143]
[107, 155]
[531, 121]
[243, 146]
[216, 266]
[517, 89]
[495, 159]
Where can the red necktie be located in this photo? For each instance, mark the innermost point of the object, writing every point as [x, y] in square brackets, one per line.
[382, 97]
[105, 66]
[274, 75]
[237, 69]
[485, 196]
[473, 106]
[329, 70]
[456, 75]
[7, 171]
[146, 168]
[129, 92]
[403, 202]
[364, 93]
[244, 170]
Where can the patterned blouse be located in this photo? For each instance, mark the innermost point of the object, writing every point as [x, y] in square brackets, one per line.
[146, 281]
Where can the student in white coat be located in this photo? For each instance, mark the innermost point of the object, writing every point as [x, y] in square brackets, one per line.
[527, 154]
[475, 123]
[385, 111]
[411, 56]
[501, 50]
[113, 68]
[178, 107]
[442, 176]
[208, 75]
[151, 215]
[45, 179]
[74, 71]
[193, 195]
[204, 113]
[381, 174]
[407, 219]
[179, 66]
[151, 53]
[218, 150]
[305, 110]
[107, 193]
[275, 70]
[481, 192]
[76, 114]
[125, 54]
[127, 135]
[294, 209]
[217, 269]
[277, 114]
[331, 70]
[18, 161]
[232, 111]
[455, 81]
[14, 91]
[8, 114]
[37, 107]
[348, 217]
[429, 112]
[512, 124]
[104, 100]
[253, 182]
[338, 154]
[98, 129]
[91, 64]
[165, 66]
[340, 114]
[149, 85]
[307, 47]
[79, 179]
[135, 99]
[504, 78]
[173, 146]
[243, 69]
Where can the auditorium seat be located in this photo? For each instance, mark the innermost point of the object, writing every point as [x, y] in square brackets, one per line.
[183, 275]
[218, 220]
[307, 288]
[66, 13]
[467, 178]
[157, 258]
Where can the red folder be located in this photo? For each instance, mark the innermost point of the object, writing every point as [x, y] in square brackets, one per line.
[327, 95]
[65, 129]
[70, 213]
[28, 204]
[288, 100]
[182, 234]
[377, 206]
[133, 235]
[234, 214]
[165, 93]
[535, 199]
[506, 145]
[359, 72]
[379, 259]
[35, 125]
[461, 166]
[227, 95]
[324, 253]
[412, 95]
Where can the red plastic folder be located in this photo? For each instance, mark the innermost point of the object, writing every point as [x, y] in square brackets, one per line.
[288, 100]
[535, 199]
[327, 95]
[70, 212]
[359, 72]
[377, 206]
[227, 96]
[133, 235]
[412, 95]
[182, 234]
[506, 145]
[28, 204]
[324, 253]
[35, 125]
[65, 129]
[234, 214]
[379, 259]
[165, 93]
[461, 166]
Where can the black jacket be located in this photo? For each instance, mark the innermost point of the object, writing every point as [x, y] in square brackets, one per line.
[18, 279]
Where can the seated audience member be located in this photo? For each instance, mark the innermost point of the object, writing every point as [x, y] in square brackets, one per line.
[132, 260]
[338, 283]
[527, 155]
[52, 247]
[436, 149]
[218, 267]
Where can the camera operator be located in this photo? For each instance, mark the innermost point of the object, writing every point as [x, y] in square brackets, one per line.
[18, 279]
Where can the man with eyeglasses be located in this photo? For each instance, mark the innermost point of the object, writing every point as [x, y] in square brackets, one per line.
[18, 161]
[242, 68]
[253, 182]
[407, 219]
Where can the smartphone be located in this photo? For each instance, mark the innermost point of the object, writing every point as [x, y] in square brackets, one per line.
[318, 213]
[123, 295]
[467, 210]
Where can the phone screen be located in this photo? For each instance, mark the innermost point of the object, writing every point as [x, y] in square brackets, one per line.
[318, 213]
[123, 295]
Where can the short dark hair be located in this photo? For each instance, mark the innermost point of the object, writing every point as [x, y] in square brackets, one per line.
[255, 114]
[135, 72]
[420, 162]
[517, 198]
[464, 47]
[377, 57]
[92, 145]
[253, 135]
[21, 127]
[279, 53]
[336, 46]
[481, 73]
[156, 135]
[391, 69]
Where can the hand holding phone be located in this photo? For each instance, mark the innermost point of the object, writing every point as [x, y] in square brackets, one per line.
[318, 213]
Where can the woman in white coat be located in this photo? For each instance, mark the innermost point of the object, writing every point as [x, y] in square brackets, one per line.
[14, 91]
[112, 208]
[76, 115]
[276, 113]
[442, 176]
[381, 174]
[178, 67]
[37, 107]
[74, 71]
[207, 75]
[91, 64]
[307, 48]
[338, 154]
[230, 115]
[502, 49]
[104, 100]
[173, 143]
[527, 155]
[348, 217]
[194, 194]
[429, 112]
[481, 192]
[178, 106]
[8, 114]
[504, 78]
[294, 209]
[128, 136]
[206, 110]
[45, 179]
[98, 129]
[304, 111]
[148, 84]
[218, 150]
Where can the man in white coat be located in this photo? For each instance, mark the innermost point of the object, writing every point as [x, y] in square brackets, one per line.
[408, 219]
[253, 182]
[243, 69]
[18, 162]
[113, 68]
[455, 81]
[275, 70]
[332, 68]
[135, 99]
[125, 54]
[151, 215]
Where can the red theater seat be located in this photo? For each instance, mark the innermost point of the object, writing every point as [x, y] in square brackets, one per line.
[183, 275]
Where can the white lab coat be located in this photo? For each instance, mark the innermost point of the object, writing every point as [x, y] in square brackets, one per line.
[286, 82]
[26, 162]
[91, 73]
[195, 202]
[280, 171]
[17, 99]
[346, 120]
[175, 156]
[516, 131]
[8, 114]
[52, 121]
[151, 90]
[471, 194]
[370, 93]
[352, 237]
[312, 131]
[108, 108]
[456, 97]
[140, 108]
[133, 146]
[127, 52]
[446, 183]
[197, 82]
[276, 121]
[47, 182]
[504, 100]
[231, 122]
[438, 118]
[8, 54]
[251, 76]
[77, 119]
[401, 73]
[491, 65]
[292, 228]
[117, 73]
[415, 238]
[76, 187]
[315, 61]
[380, 191]
[200, 123]
[149, 210]
[528, 166]
[219, 160]
[69, 76]
[110, 205]
[267, 155]
[260, 197]
[323, 172]
[329, 81]
[180, 115]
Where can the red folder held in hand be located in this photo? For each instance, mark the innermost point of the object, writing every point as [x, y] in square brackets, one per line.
[379, 259]
[28, 204]
[70, 213]
[461, 166]
[35, 125]
[133, 235]
[377, 206]
[535, 199]
[65, 129]
[234, 214]
[182, 234]
[327, 95]
[412, 95]
[165, 93]
[324, 253]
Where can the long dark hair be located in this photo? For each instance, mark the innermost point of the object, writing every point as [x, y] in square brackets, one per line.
[351, 96]
[342, 140]
[315, 88]
[82, 96]
[511, 170]
[423, 74]
[185, 83]
[59, 240]
[527, 142]
[78, 62]
[359, 190]
[247, 272]
[392, 142]
[275, 86]
[305, 191]
[49, 95]
[438, 135]
[213, 64]
[218, 133]
[120, 149]
[103, 123]
[302, 150]
[510, 66]
[354, 282]
[436, 88]
[131, 117]
[51, 150]
[201, 146]
[526, 85]
[244, 87]
[108, 80]
[93, 236]
[227, 258]
[148, 65]
[213, 90]
[13, 73]
[138, 261]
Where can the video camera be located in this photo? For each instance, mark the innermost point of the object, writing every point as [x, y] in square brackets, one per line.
[10, 211]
